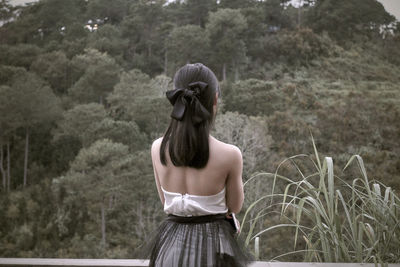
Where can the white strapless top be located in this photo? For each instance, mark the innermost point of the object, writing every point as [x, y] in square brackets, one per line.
[193, 205]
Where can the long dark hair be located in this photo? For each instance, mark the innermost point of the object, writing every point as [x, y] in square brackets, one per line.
[188, 141]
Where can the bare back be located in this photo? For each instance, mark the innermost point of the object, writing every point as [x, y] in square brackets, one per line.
[223, 169]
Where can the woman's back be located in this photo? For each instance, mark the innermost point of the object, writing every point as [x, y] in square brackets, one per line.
[222, 172]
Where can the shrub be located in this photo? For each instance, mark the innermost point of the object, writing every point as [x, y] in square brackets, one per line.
[339, 221]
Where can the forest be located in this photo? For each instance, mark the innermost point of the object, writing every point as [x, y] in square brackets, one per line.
[82, 97]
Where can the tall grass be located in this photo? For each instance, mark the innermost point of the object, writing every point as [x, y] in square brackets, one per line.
[336, 220]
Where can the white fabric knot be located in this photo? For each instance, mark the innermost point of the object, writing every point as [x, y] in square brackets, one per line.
[194, 205]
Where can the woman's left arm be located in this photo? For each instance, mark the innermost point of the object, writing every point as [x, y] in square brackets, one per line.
[155, 148]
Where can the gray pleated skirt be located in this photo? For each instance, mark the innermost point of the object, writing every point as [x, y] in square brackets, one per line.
[196, 242]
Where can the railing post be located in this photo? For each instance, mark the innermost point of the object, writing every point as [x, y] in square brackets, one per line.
[257, 247]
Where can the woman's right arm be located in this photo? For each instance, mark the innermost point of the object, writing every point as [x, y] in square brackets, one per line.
[234, 183]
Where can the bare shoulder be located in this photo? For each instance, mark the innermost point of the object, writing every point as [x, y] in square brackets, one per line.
[157, 142]
[232, 151]
[235, 153]
[155, 146]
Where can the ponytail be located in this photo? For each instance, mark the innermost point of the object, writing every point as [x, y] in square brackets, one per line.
[188, 132]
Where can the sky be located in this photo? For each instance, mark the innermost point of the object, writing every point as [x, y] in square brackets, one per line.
[391, 6]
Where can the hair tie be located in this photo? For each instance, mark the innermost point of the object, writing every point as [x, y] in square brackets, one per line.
[181, 98]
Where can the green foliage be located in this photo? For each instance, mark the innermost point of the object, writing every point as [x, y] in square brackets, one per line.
[43, 21]
[73, 47]
[5, 10]
[391, 52]
[252, 97]
[357, 64]
[361, 17]
[54, 68]
[142, 27]
[99, 155]
[108, 39]
[339, 221]
[276, 14]
[137, 97]
[100, 74]
[57, 13]
[97, 175]
[197, 11]
[295, 47]
[28, 102]
[125, 132]
[24, 217]
[8, 73]
[113, 11]
[21, 55]
[77, 120]
[75, 32]
[106, 176]
[181, 42]
[225, 29]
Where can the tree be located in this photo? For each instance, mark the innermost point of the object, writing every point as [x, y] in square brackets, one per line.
[250, 134]
[187, 44]
[276, 14]
[257, 27]
[53, 67]
[100, 175]
[264, 19]
[235, 4]
[113, 11]
[5, 10]
[124, 132]
[100, 74]
[9, 121]
[31, 102]
[43, 21]
[197, 11]
[298, 47]
[3, 172]
[22, 30]
[391, 51]
[225, 29]
[108, 39]
[139, 98]
[21, 55]
[254, 97]
[143, 28]
[344, 19]
[77, 120]
[55, 14]
[7, 126]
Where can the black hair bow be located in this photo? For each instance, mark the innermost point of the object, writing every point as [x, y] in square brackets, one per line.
[182, 98]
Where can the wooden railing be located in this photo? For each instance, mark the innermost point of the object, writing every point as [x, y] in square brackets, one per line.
[138, 263]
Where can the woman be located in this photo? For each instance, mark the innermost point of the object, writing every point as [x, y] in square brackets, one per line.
[198, 178]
